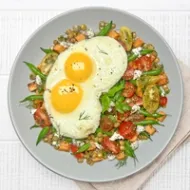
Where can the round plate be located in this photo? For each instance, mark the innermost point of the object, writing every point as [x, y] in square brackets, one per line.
[61, 162]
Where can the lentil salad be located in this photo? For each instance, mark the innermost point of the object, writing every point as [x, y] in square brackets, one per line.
[130, 109]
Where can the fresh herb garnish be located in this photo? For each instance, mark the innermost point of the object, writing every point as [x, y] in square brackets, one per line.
[102, 51]
[121, 163]
[83, 117]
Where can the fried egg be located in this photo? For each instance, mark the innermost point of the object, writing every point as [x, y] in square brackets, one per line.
[78, 78]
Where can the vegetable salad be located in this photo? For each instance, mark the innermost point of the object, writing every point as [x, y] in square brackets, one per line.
[132, 110]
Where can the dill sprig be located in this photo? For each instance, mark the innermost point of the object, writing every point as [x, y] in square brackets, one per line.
[82, 116]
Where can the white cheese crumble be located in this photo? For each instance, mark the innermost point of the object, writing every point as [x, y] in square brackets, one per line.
[98, 146]
[135, 108]
[109, 109]
[56, 135]
[66, 44]
[112, 104]
[78, 143]
[137, 74]
[32, 111]
[162, 92]
[140, 129]
[135, 145]
[116, 136]
[38, 80]
[111, 157]
[54, 143]
[136, 51]
[90, 33]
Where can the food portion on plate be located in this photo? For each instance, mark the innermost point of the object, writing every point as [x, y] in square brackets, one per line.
[97, 95]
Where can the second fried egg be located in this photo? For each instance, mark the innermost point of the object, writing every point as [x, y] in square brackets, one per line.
[76, 81]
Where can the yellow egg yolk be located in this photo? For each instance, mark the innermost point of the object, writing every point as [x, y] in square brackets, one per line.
[66, 96]
[78, 67]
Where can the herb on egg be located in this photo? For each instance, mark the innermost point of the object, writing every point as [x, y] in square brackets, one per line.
[82, 116]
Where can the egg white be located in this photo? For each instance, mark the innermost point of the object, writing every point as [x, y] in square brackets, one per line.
[110, 63]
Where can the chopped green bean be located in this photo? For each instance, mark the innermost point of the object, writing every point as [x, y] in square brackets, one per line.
[35, 70]
[146, 51]
[153, 72]
[83, 148]
[47, 51]
[134, 82]
[32, 98]
[132, 57]
[148, 122]
[147, 114]
[105, 30]
[145, 134]
[42, 134]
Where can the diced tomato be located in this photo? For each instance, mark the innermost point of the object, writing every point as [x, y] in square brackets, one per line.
[122, 116]
[74, 149]
[42, 118]
[143, 63]
[110, 145]
[137, 100]
[106, 124]
[126, 130]
[129, 90]
[129, 73]
[163, 101]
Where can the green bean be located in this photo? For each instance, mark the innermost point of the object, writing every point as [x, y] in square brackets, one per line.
[146, 51]
[145, 134]
[68, 139]
[108, 133]
[132, 57]
[34, 126]
[147, 114]
[32, 98]
[148, 122]
[117, 87]
[83, 148]
[105, 29]
[47, 51]
[35, 70]
[42, 134]
[134, 82]
[153, 72]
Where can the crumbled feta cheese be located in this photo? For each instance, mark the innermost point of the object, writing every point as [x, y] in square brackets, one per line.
[32, 111]
[79, 143]
[112, 104]
[137, 74]
[38, 80]
[136, 51]
[162, 92]
[54, 143]
[90, 33]
[98, 146]
[140, 128]
[135, 108]
[116, 136]
[110, 109]
[56, 135]
[111, 157]
[66, 44]
[135, 145]
[148, 55]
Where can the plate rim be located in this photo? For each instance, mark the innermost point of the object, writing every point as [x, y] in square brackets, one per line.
[70, 11]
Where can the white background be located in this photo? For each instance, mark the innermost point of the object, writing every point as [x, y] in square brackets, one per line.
[18, 19]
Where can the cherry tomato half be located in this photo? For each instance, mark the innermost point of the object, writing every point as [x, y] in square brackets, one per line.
[74, 149]
[163, 101]
[126, 130]
[110, 145]
[129, 90]
[129, 73]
